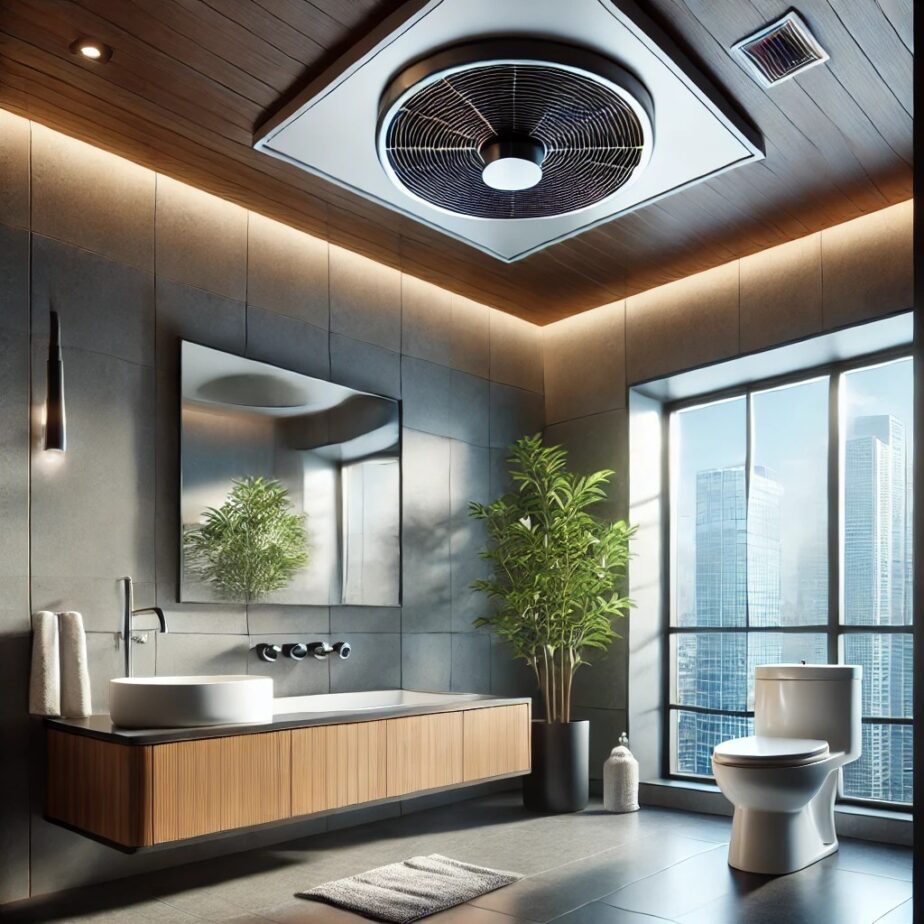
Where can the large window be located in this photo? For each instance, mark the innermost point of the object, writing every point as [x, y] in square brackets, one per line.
[790, 540]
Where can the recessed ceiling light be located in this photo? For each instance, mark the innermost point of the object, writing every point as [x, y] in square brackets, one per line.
[91, 49]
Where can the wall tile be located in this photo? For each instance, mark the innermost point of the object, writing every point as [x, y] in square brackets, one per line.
[14, 279]
[187, 313]
[471, 662]
[683, 324]
[264, 619]
[14, 481]
[290, 678]
[365, 299]
[426, 662]
[104, 307]
[511, 676]
[585, 363]
[105, 660]
[469, 408]
[604, 683]
[372, 619]
[15, 143]
[868, 266]
[426, 575]
[375, 664]
[281, 341]
[202, 654]
[103, 487]
[470, 340]
[201, 239]
[365, 366]
[15, 772]
[516, 352]
[211, 618]
[425, 394]
[597, 442]
[287, 271]
[781, 294]
[99, 599]
[74, 187]
[425, 320]
[469, 480]
[606, 725]
[514, 413]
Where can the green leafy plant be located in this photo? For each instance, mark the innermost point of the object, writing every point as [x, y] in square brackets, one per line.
[252, 544]
[557, 568]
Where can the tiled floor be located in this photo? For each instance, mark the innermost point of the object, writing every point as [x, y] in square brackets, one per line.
[591, 868]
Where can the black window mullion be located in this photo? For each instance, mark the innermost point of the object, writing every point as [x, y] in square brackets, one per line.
[834, 629]
[834, 508]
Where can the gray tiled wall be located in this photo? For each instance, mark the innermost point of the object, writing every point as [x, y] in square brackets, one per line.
[84, 238]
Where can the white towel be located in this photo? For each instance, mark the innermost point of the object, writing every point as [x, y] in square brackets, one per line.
[45, 679]
[75, 675]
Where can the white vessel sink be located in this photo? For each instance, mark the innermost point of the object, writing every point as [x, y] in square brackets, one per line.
[371, 699]
[187, 702]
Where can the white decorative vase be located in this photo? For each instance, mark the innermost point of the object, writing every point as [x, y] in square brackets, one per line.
[620, 779]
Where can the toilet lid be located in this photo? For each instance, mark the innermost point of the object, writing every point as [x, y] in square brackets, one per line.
[760, 750]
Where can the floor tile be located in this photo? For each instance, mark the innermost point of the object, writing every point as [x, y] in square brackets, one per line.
[587, 868]
[684, 886]
[601, 913]
[815, 895]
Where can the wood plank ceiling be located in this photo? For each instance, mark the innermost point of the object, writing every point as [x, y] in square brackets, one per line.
[190, 79]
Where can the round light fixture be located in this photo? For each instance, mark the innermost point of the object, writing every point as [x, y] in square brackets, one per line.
[512, 164]
[92, 49]
[514, 129]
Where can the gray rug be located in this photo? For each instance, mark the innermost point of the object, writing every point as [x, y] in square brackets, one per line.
[407, 891]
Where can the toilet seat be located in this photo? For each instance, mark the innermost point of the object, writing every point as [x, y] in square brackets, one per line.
[764, 751]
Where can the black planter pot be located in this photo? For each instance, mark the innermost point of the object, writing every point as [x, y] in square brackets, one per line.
[559, 780]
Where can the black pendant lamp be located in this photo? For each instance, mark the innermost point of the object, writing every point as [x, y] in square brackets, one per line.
[55, 428]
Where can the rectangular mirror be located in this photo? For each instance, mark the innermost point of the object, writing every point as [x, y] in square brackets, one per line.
[290, 487]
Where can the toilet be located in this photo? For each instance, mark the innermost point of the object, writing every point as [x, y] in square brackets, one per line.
[783, 780]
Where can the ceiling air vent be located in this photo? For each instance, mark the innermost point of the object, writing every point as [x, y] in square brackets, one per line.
[780, 50]
[514, 129]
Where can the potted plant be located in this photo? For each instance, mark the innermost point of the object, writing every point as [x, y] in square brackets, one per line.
[252, 544]
[558, 571]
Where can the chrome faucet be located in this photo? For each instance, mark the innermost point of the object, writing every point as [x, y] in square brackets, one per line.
[128, 614]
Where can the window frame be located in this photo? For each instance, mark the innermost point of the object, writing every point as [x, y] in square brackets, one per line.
[833, 629]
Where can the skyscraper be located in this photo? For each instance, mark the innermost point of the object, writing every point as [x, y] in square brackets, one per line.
[737, 574]
[876, 565]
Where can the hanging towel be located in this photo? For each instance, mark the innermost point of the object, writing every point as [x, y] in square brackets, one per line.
[75, 675]
[45, 679]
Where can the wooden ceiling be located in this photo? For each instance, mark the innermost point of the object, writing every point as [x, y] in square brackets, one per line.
[189, 80]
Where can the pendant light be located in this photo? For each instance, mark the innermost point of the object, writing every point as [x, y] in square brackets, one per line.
[55, 428]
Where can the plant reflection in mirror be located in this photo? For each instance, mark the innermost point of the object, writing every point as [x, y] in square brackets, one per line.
[252, 544]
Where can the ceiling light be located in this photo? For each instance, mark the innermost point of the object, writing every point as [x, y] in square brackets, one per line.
[91, 49]
[512, 164]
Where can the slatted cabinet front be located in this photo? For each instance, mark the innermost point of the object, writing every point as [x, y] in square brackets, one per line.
[186, 789]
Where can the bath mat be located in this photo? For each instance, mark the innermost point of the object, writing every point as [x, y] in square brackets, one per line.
[411, 890]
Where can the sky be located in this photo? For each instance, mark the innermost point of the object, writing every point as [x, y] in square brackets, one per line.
[790, 437]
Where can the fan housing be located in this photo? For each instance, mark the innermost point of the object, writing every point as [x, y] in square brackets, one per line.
[514, 129]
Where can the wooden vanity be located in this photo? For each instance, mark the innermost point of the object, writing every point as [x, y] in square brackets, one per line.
[135, 790]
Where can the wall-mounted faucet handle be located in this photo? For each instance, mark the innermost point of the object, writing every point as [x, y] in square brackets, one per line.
[297, 651]
[320, 650]
[343, 650]
[268, 653]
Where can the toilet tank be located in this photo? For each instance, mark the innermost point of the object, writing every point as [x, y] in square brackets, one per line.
[810, 701]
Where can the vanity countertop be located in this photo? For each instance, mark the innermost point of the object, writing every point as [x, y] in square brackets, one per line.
[101, 726]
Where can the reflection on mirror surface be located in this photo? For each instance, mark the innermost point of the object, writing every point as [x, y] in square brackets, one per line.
[290, 487]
